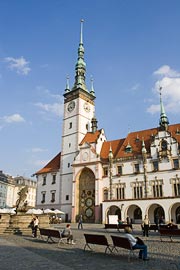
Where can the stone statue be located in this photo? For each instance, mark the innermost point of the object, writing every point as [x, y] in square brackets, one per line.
[21, 203]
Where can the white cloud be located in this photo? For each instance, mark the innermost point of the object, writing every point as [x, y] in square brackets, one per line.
[135, 87]
[20, 65]
[166, 71]
[55, 108]
[170, 83]
[14, 118]
[38, 150]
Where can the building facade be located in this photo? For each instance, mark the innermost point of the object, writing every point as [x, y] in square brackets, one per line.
[132, 176]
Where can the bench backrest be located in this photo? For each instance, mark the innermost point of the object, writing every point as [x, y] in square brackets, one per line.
[169, 232]
[50, 232]
[111, 226]
[44, 232]
[121, 242]
[166, 226]
[97, 239]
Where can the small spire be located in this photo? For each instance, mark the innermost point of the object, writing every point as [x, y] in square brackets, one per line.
[81, 34]
[110, 153]
[144, 151]
[92, 87]
[94, 123]
[67, 84]
[163, 122]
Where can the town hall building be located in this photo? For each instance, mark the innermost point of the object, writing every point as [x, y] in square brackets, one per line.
[96, 178]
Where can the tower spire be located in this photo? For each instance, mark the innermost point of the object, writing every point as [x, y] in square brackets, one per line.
[80, 65]
[163, 122]
[67, 89]
[92, 87]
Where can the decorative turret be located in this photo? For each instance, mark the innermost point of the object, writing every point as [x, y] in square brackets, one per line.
[67, 89]
[110, 154]
[144, 151]
[163, 122]
[94, 124]
[92, 87]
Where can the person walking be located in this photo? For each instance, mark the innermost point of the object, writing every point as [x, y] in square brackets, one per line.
[80, 226]
[36, 224]
[136, 245]
[145, 226]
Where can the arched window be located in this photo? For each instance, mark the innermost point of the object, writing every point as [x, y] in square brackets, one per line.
[164, 145]
[105, 194]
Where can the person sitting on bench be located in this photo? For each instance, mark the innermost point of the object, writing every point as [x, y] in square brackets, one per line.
[67, 232]
[136, 243]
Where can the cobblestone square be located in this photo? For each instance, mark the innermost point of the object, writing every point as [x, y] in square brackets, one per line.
[25, 252]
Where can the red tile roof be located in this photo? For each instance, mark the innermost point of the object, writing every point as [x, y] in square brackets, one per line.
[91, 137]
[52, 166]
[134, 139]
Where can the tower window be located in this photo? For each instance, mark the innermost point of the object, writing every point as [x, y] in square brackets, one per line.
[53, 196]
[69, 165]
[69, 145]
[87, 127]
[70, 125]
[67, 197]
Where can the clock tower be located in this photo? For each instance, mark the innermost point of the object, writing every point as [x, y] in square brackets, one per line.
[79, 109]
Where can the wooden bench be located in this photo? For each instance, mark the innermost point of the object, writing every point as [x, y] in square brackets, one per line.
[153, 227]
[169, 232]
[122, 242]
[166, 226]
[117, 226]
[97, 239]
[50, 233]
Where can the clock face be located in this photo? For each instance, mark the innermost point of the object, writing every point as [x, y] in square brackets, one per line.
[86, 107]
[85, 156]
[89, 202]
[89, 212]
[71, 106]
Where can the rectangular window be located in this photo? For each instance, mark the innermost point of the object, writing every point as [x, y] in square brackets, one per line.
[136, 168]
[67, 197]
[176, 163]
[43, 197]
[138, 192]
[157, 190]
[70, 125]
[177, 189]
[44, 180]
[54, 179]
[105, 170]
[119, 170]
[69, 165]
[120, 193]
[53, 197]
[155, 166]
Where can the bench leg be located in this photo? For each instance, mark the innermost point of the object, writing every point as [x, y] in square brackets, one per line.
[86, 246]
[108, 248]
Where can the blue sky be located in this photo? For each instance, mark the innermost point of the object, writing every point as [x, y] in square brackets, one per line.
[131, 47]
